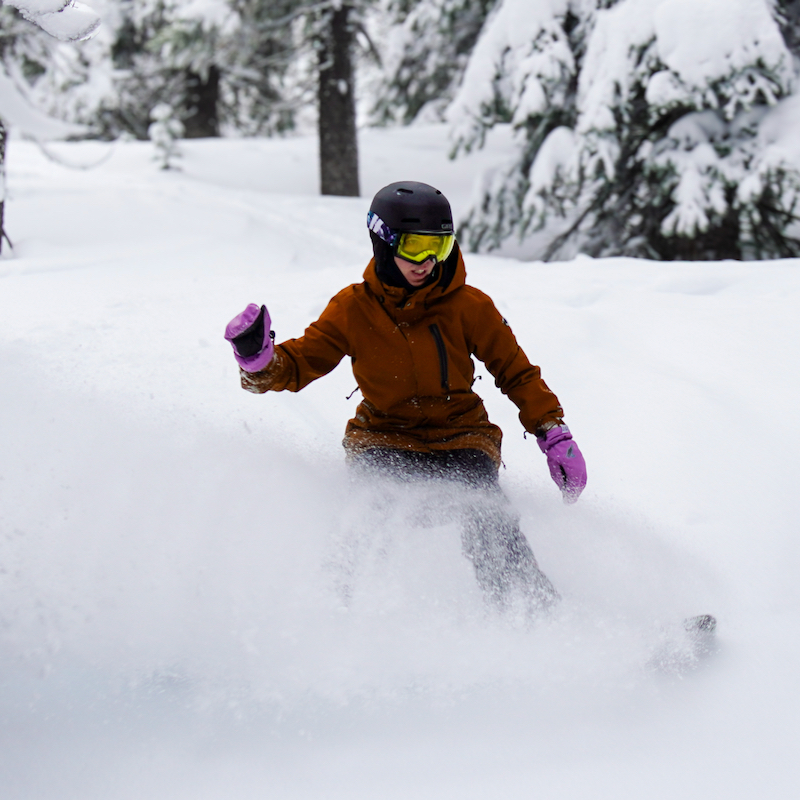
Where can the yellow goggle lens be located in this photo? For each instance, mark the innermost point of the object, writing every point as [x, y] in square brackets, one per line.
[419, 247]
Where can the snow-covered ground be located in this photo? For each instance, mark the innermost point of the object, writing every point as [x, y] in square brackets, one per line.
[169, 626]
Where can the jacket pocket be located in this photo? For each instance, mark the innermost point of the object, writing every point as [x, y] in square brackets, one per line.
[442, 351]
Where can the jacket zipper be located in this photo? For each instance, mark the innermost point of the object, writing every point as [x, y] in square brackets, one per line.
[442, 350]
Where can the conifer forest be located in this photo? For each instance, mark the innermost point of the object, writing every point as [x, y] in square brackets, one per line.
[646, 128]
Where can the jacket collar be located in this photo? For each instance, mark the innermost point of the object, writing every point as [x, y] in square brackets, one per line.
[395, 297]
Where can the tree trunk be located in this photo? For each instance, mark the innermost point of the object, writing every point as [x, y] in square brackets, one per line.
[338, 144]
[789, 20]
[2, 183]
[202, 99]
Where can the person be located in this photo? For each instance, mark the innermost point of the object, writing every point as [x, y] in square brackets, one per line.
[411, 330]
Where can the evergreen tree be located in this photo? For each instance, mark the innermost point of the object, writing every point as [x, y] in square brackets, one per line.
[245, 66]
[169, 52]
[237, 66]
[643, 128]
[787, 13]
[220, 64]
[76, 80]
[423, 56]
[164, 132]
[266, 85]
[523, 71]
[24, 54]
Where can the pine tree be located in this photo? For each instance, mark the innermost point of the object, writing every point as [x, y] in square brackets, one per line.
[224, 66]
[787, 14]
[167, 52]
[264, 85]
[22, 53]
[642, 129]
[326, 39]
[221, 65]
[164, 132]
[523, 72]
[424, 55]
[245, 66]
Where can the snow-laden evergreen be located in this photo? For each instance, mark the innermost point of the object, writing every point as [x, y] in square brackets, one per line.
[172, 52]
[67, 20]
[650, 128]
[423, 51]
[647, 128]
[76, 82]
[231, 67]
[64, 20]
[39, 61]
[165, 131]
[223, 65]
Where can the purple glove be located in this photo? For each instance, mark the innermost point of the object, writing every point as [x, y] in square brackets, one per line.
[565, 461]
[250, 335]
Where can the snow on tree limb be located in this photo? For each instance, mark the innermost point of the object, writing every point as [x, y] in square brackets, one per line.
[66, 20]
[644, 138]
[16, 111]
[519, 58]
[422, 56]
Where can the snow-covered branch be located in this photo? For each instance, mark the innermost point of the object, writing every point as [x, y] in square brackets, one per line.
[66, 20]
[638, 128]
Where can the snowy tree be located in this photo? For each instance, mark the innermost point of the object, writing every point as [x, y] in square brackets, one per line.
[64, 20]
[164, 132]
[643, 128]
[12, 33]
[266, 83]
[423, 56]
[222, 64]
[523, 71]
[787, 13]
[244, 66]
[169, 51]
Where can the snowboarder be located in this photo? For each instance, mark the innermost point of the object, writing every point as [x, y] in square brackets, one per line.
[411, 329]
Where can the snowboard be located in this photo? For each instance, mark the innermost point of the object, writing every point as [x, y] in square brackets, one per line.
[684, 647]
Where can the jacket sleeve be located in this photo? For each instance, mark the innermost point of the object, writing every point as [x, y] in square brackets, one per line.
[494, 343]
[297, 362]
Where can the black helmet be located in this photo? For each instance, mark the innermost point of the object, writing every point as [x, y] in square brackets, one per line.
[408, 207]
[411, 207]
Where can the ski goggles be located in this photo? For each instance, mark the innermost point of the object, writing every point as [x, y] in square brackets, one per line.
[419, 247]
[414, 247]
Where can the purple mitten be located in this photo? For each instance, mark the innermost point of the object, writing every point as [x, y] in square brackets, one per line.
[250, 335]
[565, 461]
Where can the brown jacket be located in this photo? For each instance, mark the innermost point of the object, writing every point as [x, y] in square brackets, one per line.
[412, 359]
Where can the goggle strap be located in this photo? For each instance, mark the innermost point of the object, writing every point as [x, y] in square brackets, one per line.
[381, 229]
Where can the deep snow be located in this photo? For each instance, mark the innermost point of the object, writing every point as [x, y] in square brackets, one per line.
[170, 545]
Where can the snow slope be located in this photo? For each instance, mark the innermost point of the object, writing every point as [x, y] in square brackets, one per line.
[170, 545]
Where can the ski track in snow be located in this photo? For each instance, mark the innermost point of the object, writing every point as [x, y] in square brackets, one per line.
[172, 549]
